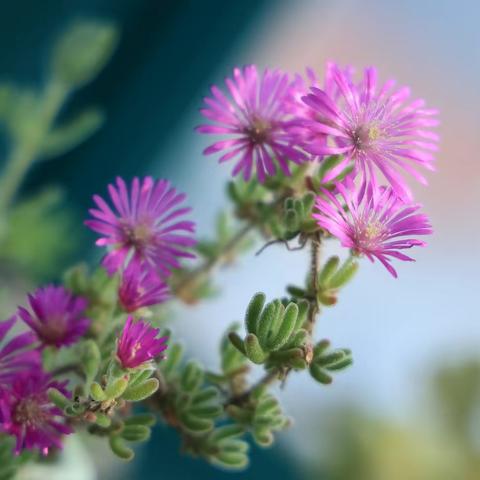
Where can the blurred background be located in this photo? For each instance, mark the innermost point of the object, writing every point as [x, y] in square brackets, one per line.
[410, 407]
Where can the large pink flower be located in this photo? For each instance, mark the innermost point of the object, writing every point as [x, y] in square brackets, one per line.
[145, 223]
[305, 117]
[376, 222]
[254, 121]
[375, 127]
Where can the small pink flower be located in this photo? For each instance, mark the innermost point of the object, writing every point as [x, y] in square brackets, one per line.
[145, 223]
[139, 343]
[373, 127]
[57, 316]
[27, 413]
[141, 288]
[254, 122]
[375, 223]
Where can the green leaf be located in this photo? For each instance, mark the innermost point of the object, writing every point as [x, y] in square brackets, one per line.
[136, 433]
[206, 411]
[116, 388]
[263, 436]
[308, 201]
[97, 393]
[327, 298]
[254, 310]
[237, 342]
[275, 324]
[142, 391]
[91, 360]
[174, 357]
[299, 339]
[192, 376]
[67, 136]
[266, 405]
[286, 327]
[119, 448]
[330, 358]
[265, 323]
[328, 270]
[253, 349]
[320, 347]
[303, 307]
[227, 431]
[141, 376]
[57, 398]
[235, 446]
[103, 420]
[196, 424]
[204, 396]
[232, 459]
[319, 374]
[83, 51]
[291, 220]
[288, 357]
[146, 419]
[344, 274]
[342, 364]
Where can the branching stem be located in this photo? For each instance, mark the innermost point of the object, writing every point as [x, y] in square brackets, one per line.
[209, 265]
[314, 272]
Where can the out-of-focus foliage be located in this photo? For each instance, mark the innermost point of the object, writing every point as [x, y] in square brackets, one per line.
[43, 217]
[38, 234]
[442, 445]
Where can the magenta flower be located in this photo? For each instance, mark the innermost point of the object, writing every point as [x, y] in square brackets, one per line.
[254, 121]
[17, 354]
[27, 413]
[57, 316]
[141, 288]
[304, 114]
[145, 224]
[374, 223]
[373, 127]
[139, 344]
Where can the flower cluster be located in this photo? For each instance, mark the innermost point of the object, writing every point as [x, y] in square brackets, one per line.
[375, 129]
[353, 141]
[146, 238]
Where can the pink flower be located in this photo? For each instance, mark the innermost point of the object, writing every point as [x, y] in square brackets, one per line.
[17, 354]
[57, 316]
[375, 224]
[254, 122]
[373, 127]
[141, 288]
[304, 114]
[27, 413]
[139, 344]
[145, 223]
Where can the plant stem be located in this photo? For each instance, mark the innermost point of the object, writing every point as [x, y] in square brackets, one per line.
[208, 266]
[273, 375]
[269, 378]
[314, 271]
[27, 147]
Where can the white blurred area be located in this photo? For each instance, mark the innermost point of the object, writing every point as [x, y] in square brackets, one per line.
[397, 329]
